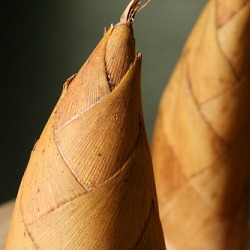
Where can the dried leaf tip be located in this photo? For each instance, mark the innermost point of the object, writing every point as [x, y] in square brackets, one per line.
[131, 10]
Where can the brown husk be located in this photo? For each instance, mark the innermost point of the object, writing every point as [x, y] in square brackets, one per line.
[89, 181]
[202, 135]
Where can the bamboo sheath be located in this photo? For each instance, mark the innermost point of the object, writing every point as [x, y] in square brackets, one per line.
[89, 182]
[201, 142]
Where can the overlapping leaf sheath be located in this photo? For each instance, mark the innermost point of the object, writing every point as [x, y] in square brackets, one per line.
[89, 181]
[201, 144]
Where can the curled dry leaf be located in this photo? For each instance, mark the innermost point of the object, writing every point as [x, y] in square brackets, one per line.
[89, 181]
[202, 136]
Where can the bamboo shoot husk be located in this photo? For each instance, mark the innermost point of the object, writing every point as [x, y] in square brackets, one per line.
[89, 181]
[201, 142]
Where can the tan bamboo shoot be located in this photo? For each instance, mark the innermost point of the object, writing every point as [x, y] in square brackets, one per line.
[201, 143]
[89, 181]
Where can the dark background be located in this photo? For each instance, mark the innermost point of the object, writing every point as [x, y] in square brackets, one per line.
[45, 42]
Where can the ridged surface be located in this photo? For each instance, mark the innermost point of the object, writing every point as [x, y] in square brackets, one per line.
[202, 135]
[89, 182]
[117, 64]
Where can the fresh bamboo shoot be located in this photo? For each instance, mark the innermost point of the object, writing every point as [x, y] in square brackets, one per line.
[89, 182]
[201, 142]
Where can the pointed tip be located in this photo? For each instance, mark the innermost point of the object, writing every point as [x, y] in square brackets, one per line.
[120, 53]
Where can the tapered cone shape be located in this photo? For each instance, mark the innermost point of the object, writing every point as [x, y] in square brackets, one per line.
[201, 143]
[89, 182]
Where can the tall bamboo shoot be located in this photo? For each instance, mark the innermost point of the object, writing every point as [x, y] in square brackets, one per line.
[89, 181]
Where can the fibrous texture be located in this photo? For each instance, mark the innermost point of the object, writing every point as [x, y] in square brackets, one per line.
[89, 182]
[201, 141]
